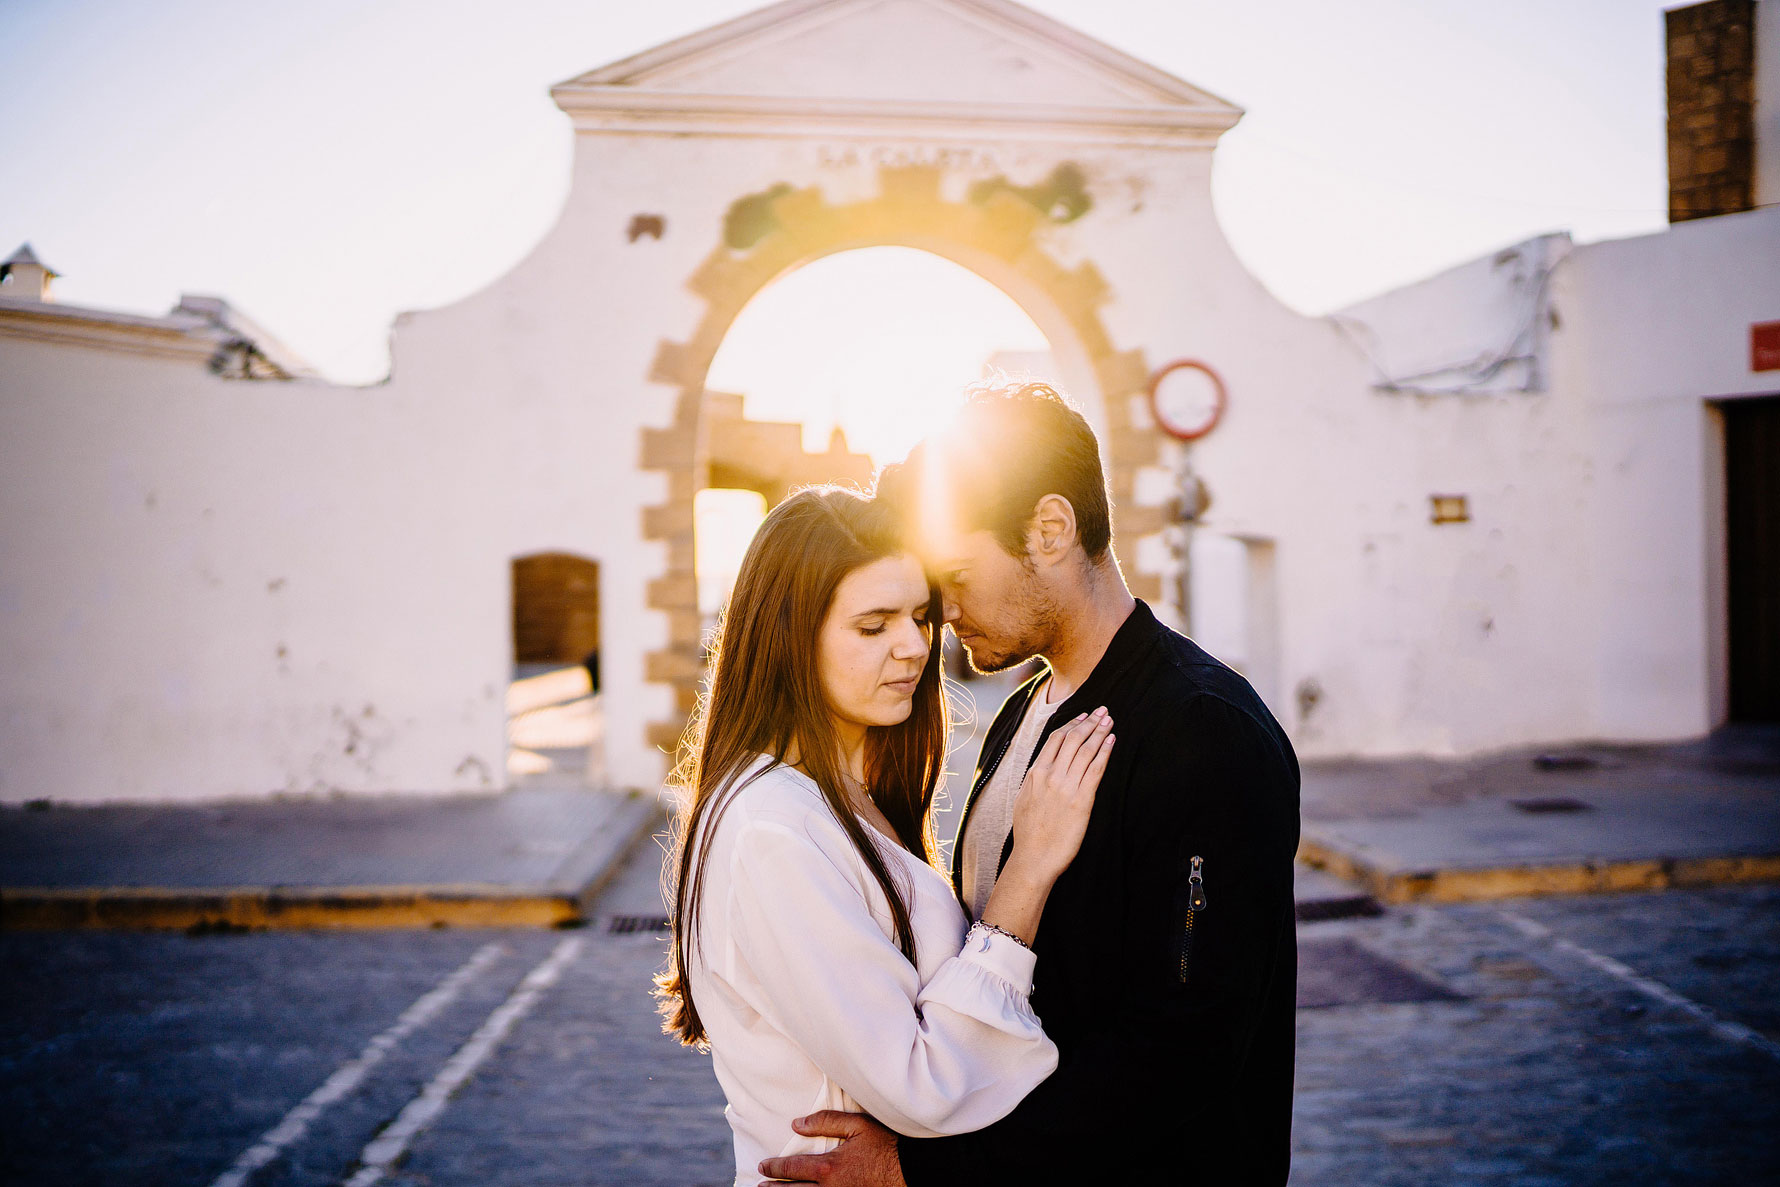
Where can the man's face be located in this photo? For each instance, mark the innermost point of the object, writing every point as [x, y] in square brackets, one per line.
[994, 602]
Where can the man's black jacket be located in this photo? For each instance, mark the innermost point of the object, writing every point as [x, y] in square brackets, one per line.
[1174, 1025]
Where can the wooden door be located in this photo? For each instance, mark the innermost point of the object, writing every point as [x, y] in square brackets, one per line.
[556, 609]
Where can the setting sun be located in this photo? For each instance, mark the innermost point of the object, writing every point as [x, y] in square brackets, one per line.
[880, 341]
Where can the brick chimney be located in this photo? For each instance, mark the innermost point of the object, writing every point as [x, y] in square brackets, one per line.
[1716, 105]
[24, 276]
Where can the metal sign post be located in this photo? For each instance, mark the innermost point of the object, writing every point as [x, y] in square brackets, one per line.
[1187, 399]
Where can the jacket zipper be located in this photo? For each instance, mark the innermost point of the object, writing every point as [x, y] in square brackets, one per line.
[1195, 904]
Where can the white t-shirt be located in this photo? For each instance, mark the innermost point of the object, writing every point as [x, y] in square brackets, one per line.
[808, 1002]
[992, 814]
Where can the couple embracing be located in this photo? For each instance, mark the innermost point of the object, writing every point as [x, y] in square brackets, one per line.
[1101, 987]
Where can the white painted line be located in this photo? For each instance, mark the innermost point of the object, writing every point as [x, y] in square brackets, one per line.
[381, 1154]
[352, 1073]
[1733, 1032]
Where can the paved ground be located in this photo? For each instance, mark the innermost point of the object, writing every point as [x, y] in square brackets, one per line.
[1743, 757]
[163, 1058]
[520, 837]
[1568, 820]
[1551, 1070]
[156, 1058]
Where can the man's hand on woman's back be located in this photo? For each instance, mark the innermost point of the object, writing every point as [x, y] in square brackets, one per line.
[866, 1156]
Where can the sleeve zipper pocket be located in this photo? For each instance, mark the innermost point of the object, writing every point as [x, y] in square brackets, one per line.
[1190, 917]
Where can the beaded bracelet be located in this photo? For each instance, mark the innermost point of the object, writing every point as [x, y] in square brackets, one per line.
[989, 929]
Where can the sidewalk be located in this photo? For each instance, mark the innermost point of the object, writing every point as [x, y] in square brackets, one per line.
[1526, 822]
[1570, 821]
[534, 856]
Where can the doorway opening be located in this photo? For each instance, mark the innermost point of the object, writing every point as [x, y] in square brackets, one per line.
[555, 728]
[1235, 607]
[726, 519]
[1752, 557]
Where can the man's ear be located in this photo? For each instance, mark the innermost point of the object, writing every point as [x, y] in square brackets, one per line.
[1053, 530]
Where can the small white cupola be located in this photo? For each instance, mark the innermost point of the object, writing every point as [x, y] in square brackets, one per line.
[25, 277]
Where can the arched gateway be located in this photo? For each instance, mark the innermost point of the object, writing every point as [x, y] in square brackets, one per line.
[999, 239]
[1071, 176]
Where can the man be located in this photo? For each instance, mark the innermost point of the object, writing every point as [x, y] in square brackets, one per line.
[1167, 957]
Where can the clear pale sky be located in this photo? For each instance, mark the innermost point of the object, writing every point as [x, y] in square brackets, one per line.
[327, 164]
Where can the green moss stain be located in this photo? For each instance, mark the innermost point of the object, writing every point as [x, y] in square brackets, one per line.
[1061, 197]
[750, 218]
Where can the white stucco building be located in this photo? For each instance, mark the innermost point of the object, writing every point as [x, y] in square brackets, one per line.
[226, 577]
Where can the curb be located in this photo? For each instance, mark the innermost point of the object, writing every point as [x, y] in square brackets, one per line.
[1579, 876]
[1323, 910]
[1317, 897]
[586, 872]
[564, 901]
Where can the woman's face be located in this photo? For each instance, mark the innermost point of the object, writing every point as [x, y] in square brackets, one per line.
[874, 642]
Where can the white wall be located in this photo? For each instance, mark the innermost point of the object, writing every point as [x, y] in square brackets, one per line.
[219, 588]
[1419, 637]
[1654, 327]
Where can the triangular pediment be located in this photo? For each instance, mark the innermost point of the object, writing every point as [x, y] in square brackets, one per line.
[931, 52]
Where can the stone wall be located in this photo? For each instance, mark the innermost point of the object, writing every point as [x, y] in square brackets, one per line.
[1711, 86]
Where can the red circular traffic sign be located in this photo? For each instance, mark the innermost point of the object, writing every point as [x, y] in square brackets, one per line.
[1191, 410]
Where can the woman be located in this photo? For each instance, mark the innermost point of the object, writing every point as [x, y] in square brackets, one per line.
[817, 952]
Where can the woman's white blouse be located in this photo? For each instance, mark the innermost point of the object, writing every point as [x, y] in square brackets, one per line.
[808, 1002]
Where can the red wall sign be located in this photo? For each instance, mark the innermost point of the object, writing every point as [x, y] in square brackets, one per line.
[1764, 346]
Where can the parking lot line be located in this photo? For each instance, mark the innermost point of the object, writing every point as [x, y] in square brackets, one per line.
[1734, 1032]
[352, 1073]
[388, 1146]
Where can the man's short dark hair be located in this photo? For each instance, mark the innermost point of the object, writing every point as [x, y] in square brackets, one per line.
[1013, 444]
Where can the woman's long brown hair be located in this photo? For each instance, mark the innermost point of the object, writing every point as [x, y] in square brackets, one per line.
[765, 696]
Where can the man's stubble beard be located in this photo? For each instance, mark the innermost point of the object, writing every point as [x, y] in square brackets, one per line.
[1039, 620]
[987, 665]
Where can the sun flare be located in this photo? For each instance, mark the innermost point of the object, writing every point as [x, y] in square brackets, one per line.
[879, 342]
